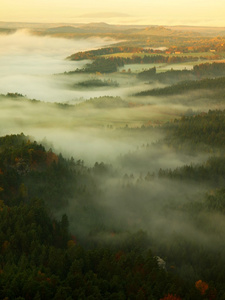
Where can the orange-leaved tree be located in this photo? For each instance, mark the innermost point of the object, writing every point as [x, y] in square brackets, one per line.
[201, 286]
[171, 297]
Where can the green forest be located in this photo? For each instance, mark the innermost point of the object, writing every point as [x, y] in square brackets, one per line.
[112, 162]
[42, 259]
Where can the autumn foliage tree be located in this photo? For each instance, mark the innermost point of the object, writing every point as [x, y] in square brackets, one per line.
[201, 286]
[171, 297]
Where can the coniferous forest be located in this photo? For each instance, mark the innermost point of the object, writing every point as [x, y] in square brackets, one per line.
[42, 258]
[112, 165]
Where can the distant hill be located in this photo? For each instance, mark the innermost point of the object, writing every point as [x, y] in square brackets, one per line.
[222, 33]
[156, 30]
[166, 31]
[201, 30]
[7, 30]
[99, 28]
[65, 29]
[104, 27]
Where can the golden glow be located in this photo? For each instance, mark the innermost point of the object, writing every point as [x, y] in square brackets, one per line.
[165, 12]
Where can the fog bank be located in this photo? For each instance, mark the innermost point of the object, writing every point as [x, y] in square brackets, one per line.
[28, 62]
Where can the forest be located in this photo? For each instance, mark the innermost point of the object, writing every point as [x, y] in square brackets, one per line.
[111, 64]
[52, 262]
[112, 164]
[187, 86]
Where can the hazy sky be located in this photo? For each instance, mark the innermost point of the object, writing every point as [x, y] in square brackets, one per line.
[162, 12]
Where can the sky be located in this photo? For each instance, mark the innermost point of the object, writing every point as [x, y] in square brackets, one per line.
[143, 12]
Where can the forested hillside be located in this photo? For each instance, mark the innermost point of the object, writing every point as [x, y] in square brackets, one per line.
[40, 259]
[112, 162]
[86, 255]
[199, 72]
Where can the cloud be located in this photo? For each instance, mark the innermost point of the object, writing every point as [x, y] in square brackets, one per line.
[105, 15]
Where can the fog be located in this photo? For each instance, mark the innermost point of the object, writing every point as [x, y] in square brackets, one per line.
[75, 131]
[27, 64]
[159, 207]
[124, 204]
[30, 66]
[129, 137]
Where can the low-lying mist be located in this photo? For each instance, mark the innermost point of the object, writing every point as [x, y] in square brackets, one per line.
[131, 197]
[160, 207]
[28, 63]
[126, 136]
[86, 132]
[98, 133]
